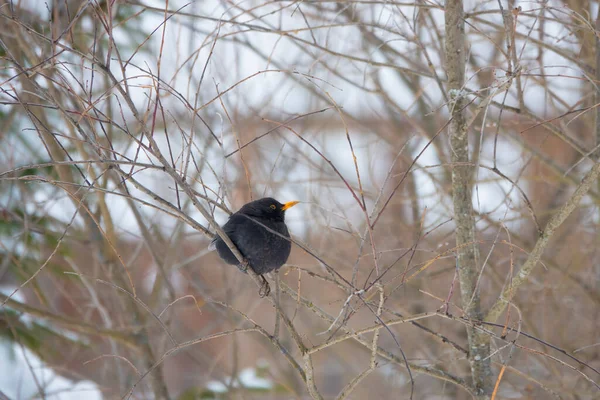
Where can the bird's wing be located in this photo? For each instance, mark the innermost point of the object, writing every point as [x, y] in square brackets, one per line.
[228, 228]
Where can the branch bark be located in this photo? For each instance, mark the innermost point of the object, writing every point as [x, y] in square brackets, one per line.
[557, 219]
[597, 87]
[467, 254]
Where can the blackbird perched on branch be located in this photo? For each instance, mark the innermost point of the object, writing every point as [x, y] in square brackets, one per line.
[259, 232]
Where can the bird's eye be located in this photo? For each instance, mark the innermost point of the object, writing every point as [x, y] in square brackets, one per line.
[273, 206]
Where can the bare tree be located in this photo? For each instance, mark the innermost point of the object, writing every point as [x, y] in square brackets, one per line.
[446, 160]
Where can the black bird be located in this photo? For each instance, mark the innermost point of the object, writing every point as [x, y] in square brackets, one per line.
[263, 249]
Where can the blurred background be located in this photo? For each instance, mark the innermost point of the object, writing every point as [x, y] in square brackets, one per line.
[128, 127]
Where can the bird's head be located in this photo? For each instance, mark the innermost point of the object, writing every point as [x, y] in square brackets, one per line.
[268, 208]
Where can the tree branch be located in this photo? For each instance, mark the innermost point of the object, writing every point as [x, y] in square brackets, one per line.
[467, 253]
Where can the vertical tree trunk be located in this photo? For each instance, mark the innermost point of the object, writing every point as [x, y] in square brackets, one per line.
[461, 192]
[597, 97]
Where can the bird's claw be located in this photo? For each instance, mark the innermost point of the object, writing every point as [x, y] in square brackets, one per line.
[265, 289]
[244, 265]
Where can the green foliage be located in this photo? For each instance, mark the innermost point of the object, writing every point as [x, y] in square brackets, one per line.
[48, 171]
[261, 371]
[36, 337]
[38, 235]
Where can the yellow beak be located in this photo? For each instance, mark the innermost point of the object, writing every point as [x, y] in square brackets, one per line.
[289, 204]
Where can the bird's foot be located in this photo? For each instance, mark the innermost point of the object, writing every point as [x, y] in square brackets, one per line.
[244, 266]
[265, 289]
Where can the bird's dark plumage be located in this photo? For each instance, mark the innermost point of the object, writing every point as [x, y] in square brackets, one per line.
[264, 250]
